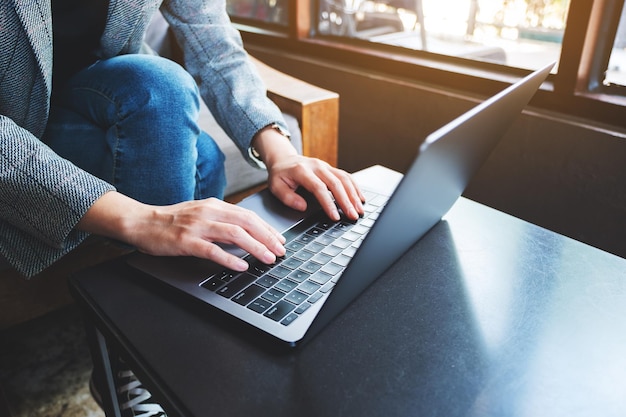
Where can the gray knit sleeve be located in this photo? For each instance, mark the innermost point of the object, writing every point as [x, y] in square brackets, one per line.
[42, 198]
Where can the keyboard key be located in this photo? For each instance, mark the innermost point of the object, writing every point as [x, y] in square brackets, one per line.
[321, 258]
[249, 294]
[236, 285]
[332, 269]
[304, 255]
[218, 280]
[325, 240]
[342, 260]
[308, 287]
[314, 298]
[273, 295]
[335, 233]
[326, 288]
[305, 238]
[349, 252]
[315, 231]
[343, 225]
[315, 247]
[296, 297]
[342, 243]
[320, 277]
[325, 224]
[292, 263]
[267, 281]
[294, 246]
[228, 275]
[311, 267]
[280, 310]
[258, 268]
[289, 319]
[298, 275]
[302, 308]
[213, 284]
[259, 305]
[351, 236]
[286, 285]
[280, 272]
[332, 250]
[361, 229]
[368, 223]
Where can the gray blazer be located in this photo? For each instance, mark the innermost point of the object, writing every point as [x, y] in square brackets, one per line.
[42, 196]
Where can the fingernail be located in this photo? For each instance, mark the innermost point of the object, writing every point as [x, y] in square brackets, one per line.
[269, 257]
[241, 265]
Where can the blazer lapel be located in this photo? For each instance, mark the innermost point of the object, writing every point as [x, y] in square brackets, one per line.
[36, 17]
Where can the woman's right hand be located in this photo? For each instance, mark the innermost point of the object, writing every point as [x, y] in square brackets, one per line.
[190, 228]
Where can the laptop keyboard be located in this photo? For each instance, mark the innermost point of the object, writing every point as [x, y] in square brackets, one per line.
[318, 251]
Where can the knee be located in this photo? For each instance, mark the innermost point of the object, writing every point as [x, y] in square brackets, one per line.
[160, 83]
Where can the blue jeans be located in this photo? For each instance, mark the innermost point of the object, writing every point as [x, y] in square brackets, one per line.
[132, 121]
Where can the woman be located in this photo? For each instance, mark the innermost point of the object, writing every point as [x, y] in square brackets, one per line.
[97, 137]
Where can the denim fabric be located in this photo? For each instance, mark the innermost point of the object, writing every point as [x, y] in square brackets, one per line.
[132, 121]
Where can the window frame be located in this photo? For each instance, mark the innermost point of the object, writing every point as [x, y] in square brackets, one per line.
[577, 88]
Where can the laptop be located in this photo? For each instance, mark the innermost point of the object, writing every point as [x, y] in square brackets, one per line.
[329, 264]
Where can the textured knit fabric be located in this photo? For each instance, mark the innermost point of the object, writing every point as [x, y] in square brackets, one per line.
[42, 196]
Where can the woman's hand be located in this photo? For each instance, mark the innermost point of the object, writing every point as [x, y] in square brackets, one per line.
[331, 187]
[186, 229]
[288, 170]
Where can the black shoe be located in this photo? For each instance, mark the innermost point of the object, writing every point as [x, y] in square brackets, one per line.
[133, 398]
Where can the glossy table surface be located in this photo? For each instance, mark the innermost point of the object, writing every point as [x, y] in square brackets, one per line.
[487, 315]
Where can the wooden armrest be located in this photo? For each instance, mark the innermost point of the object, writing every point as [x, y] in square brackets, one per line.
[316, 109]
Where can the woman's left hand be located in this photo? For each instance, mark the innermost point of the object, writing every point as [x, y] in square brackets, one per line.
[331, 187]
[288, 170]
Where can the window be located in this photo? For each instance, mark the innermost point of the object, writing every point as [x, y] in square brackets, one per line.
[616, 71]
[518, 33]
[478, 44]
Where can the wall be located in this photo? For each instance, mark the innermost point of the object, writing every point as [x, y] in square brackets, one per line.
[563, 174]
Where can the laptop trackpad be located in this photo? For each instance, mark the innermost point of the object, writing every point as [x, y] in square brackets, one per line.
[274, 212]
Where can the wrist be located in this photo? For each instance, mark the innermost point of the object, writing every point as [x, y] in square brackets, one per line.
[116, 216]
[271, 144]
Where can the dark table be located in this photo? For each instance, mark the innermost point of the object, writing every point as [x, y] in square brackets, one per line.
[487, 315]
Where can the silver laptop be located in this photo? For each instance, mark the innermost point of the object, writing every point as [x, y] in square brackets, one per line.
[328, 264]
